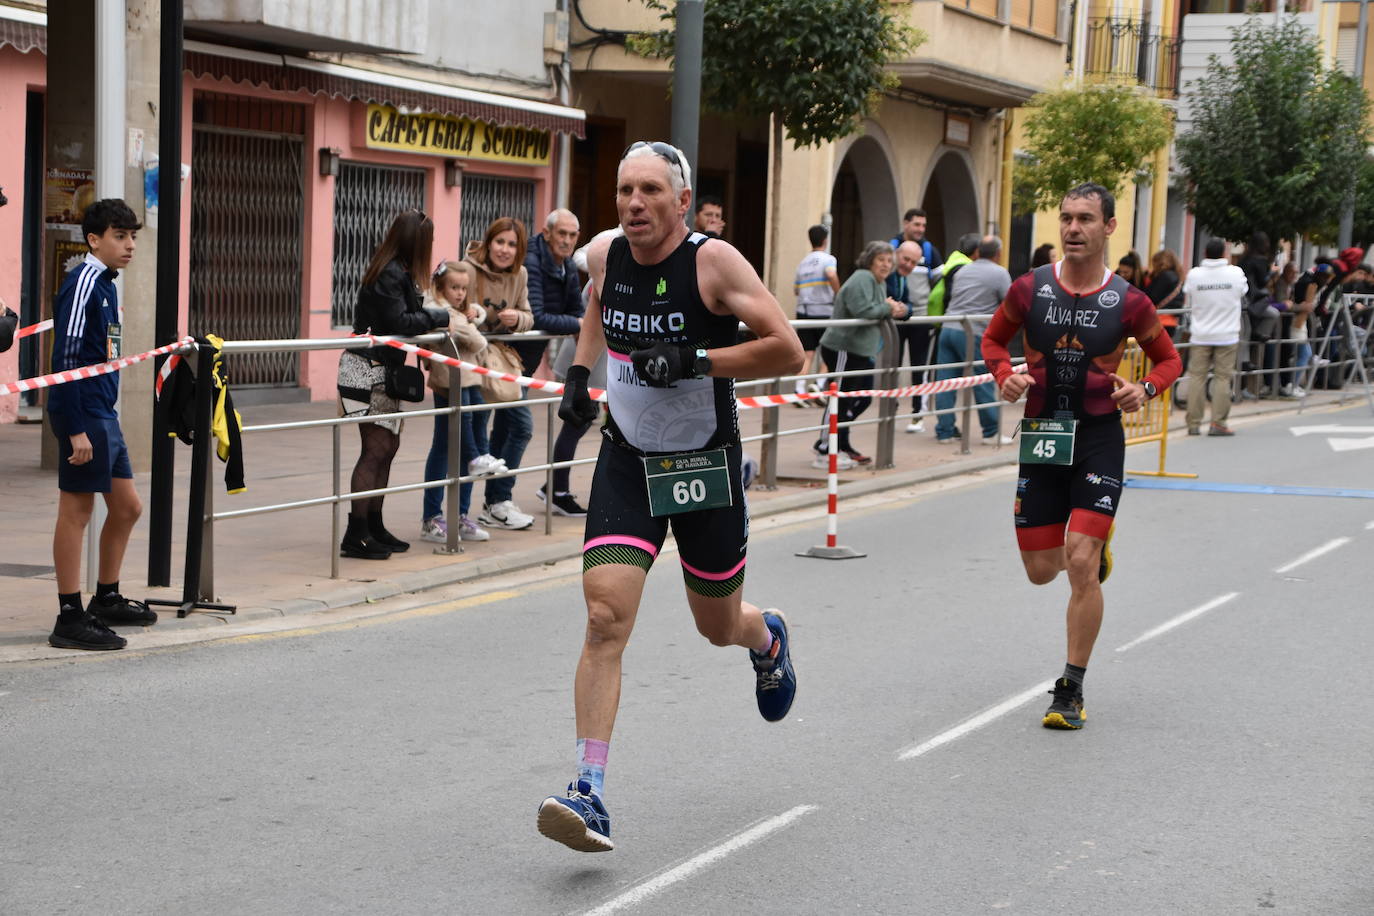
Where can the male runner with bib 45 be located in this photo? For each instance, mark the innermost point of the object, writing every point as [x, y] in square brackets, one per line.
[665, 307]
[1077, 315]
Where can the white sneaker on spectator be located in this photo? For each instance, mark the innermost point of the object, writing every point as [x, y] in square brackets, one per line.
[1298, 392]
[1319, 361]
[483, 465]
[996, 439]
[842, 462]
[505, 514]
[916, 426]
[470, 532]
[434, 530]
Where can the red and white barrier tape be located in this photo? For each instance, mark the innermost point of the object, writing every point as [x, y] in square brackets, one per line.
[33, 329]
[72, 375]
[765, 400]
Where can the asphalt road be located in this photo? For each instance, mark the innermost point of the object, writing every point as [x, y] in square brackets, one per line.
[394, 764]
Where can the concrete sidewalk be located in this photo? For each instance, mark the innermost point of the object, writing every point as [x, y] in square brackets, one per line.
[278, 564]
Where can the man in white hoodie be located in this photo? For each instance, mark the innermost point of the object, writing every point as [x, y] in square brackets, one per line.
[1215, 291]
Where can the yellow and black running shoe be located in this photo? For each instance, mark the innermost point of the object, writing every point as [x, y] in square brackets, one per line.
[1067, 709]
[1104, 566]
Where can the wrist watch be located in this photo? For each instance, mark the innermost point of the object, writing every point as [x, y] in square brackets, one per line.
[701, 366]
[1150, 389]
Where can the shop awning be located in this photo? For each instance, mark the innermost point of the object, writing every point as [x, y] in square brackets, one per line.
[293, 74]
[23, 30]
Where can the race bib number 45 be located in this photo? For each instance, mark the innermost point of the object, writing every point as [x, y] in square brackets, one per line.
[1047, 441]
[688, 482]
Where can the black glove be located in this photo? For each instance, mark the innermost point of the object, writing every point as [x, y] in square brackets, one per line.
[577, 407]
[660, 364]
[438, 317]
[8, 322]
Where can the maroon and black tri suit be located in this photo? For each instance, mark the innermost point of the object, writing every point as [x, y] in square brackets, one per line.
[1074, 343]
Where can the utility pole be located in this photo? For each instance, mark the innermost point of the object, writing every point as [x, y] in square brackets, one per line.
[687, 43]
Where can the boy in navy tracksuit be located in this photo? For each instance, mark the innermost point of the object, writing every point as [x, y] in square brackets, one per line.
[91, 454]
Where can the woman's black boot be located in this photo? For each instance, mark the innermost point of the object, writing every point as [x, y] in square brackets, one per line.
[382, 536]
[358, 544]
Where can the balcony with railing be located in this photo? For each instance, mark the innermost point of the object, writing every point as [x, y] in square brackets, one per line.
[1126, 50]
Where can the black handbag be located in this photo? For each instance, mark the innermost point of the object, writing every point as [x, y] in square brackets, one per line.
[405, 382]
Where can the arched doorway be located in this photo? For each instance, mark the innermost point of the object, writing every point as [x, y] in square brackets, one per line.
[863, 202]
[951, 202]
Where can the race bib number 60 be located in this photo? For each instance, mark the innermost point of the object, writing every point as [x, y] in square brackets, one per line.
[688, 482]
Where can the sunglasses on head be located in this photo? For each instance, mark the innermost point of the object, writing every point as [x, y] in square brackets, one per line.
[665, 151]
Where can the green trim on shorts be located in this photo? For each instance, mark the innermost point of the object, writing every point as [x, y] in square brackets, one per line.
[620, 554]
[714, 588]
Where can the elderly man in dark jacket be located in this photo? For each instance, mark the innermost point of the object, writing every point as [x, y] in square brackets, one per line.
[556, 300]
[555, 289]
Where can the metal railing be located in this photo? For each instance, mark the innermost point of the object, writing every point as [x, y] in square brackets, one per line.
[1130, 50]
[887, 373]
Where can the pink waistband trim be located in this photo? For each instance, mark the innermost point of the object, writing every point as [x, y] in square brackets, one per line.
[614, 355]
[713, 577]
[623, 540]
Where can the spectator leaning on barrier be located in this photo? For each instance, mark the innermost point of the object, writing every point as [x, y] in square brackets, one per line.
[816, 284]
[556, 301]
[939, 293]
[982, 285]
[390, 302]
[91, 456]
[1304, 300]
[451, 283]
[1215, 293]
[909, 284]
[501, 286]
[845, 349]
[710, 216]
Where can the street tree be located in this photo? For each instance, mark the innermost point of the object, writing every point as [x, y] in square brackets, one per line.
[817, 67]
[1102, 133]
[1277, 137]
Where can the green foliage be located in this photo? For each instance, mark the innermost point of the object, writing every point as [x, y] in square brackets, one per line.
[1364, 205]
[817, 64]
[1276, 137]
[1102, 133]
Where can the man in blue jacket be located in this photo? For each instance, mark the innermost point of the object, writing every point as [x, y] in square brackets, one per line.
[92, 458]
[555, 292]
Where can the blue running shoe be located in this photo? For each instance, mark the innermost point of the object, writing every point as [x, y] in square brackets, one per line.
[579, 821]
[775, 683]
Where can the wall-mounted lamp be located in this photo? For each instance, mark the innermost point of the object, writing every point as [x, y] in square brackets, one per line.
[453, 173]
[329, 161]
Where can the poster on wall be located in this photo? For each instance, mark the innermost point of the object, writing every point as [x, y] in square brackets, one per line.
[66, 254]
[66, 195]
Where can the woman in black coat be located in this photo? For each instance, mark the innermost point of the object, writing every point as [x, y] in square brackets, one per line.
[389, 303]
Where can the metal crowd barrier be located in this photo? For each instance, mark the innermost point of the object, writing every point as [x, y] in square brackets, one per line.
[886, 375]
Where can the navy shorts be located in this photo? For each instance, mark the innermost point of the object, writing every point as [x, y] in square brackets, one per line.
[109, 457]
[710, 543]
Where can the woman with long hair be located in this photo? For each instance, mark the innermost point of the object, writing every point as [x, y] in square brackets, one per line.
[389, 303]
[500, 286]
[1164, 286]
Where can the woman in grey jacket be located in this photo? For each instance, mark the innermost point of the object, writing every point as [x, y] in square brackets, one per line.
[863, 295]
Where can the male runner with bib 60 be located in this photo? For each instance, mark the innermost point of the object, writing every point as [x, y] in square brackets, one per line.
[665, 307]
[1077, 315]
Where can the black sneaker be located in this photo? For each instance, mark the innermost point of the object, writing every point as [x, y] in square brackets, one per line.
[564, 504]
[114, 610]
[1067, 709]
[84, 632]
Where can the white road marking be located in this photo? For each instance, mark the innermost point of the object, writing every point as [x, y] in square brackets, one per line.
[1350, 445]
[1312, 554]
[1021, 699]
[1179, 620]
[977, 722]
[643, 891]
[1330, 428]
